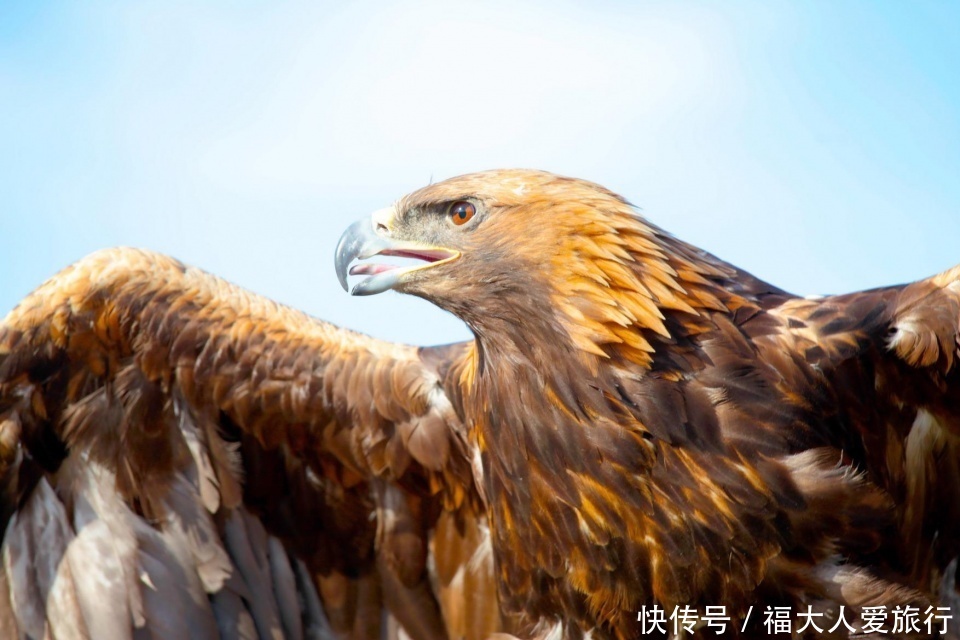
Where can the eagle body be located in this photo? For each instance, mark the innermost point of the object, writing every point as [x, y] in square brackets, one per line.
[658, 428]
[636, 425]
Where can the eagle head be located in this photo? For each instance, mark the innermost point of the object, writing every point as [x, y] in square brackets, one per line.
[514, 248]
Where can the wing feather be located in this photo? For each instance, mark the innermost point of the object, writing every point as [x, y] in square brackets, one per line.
[924, 335]
[171, 438]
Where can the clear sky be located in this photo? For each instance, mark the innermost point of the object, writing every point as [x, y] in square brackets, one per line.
[816, 144]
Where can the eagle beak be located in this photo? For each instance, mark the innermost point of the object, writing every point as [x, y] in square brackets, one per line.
[366, 238]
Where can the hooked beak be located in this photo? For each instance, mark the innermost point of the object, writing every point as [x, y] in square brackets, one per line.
[361, 241]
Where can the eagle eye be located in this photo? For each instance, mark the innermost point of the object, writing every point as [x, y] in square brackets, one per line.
[461, 212]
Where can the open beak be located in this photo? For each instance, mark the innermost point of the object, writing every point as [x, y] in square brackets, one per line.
[361, 241]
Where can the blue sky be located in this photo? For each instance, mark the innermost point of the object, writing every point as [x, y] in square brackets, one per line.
[815, 144]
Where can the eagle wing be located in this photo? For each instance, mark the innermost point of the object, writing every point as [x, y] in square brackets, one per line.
[867, 426]
[905, 401]
[182, 458]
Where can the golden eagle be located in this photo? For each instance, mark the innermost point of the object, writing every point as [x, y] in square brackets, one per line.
[636, 425]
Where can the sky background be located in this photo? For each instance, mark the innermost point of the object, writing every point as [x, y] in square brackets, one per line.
[814, 144]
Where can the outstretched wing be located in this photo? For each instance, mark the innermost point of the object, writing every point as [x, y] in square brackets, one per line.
[182, 458]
